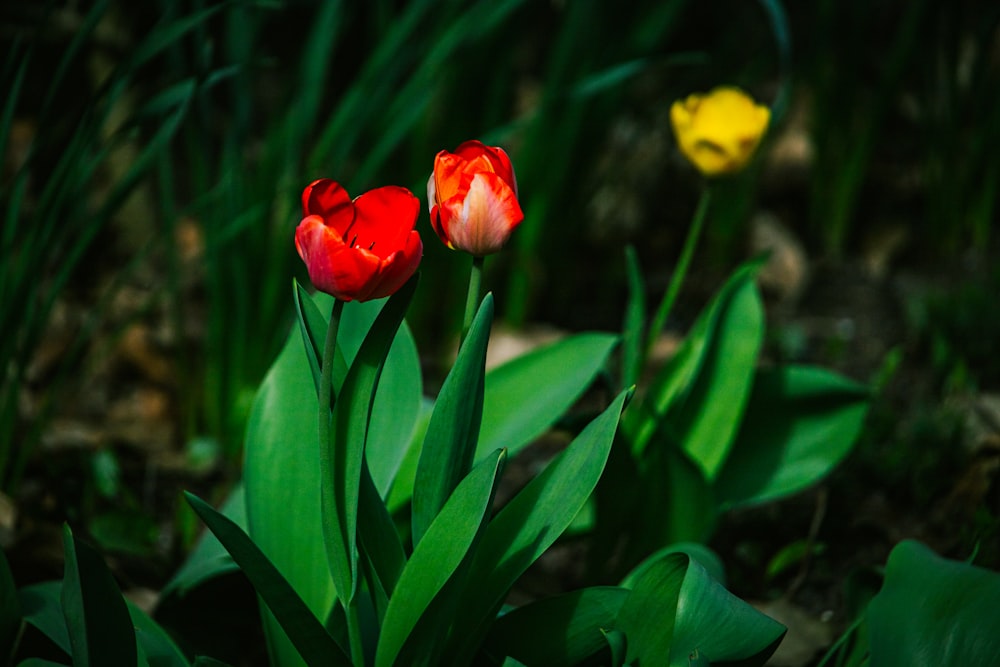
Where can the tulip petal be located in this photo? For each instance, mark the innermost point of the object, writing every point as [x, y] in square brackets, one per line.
[397, 268]
[383, 219]
[448, 172]
[481, 154]
[481, 222]
[327, 199]
[346, 273]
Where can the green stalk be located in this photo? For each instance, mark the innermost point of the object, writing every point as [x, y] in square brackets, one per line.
[472, 300]
[326, 470]
[677, 279]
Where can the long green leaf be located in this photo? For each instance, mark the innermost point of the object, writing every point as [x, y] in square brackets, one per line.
[706, 422]
[340, 488]
[530, 523]
[934, 611]
[562, 630]
[208, 559]
[676, 381]
[313, 642]
[526, 395]
[800, 422]
[100, 629]
[279, 468]
[447, 543]
[450, 441]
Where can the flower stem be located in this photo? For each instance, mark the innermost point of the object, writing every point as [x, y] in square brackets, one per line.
[694, 232]
[326, 469]
[472, 300]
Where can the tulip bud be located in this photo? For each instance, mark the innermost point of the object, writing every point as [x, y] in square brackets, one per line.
[472, 196]
[719, 132]
[362, 249]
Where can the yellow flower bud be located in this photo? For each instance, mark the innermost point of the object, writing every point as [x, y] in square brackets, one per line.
[720, 131]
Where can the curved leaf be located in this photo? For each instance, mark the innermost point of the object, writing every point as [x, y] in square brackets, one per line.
[562, 630]
[706, 421]
[679, 615]
[680, 394]
[800, 422]
[718, 627]
[932, 611]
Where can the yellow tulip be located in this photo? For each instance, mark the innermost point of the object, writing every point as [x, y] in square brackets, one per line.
[720, 131]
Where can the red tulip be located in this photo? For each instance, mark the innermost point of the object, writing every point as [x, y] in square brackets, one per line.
[361, 249]
[473, 198]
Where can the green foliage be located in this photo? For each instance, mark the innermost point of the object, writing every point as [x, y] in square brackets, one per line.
[86, 617]
[452, 433]
[720, 430]
[310, 638]
[929, 611]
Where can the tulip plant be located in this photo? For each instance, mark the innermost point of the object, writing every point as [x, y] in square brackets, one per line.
[368, 523]
[372, 535]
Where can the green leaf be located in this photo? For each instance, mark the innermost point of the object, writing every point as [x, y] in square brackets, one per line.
[617, 645]
[800, 422]
[43, 610]
[934, 611]
[449, 540]
[310, 638]
[97, 619]
[679, 501]
[530, 523]
[10, 610]
[562, 630]
[526, 395]
[209, 559]
[312, 326]
[42, 607]
[340, 489]
[402, 486]
[282, 456]
[679, 615]
[399, 396]
[717, 626]
[677, 396]
[450, 440]
[648, 615]
[379, 544]
[700, 553]
[706, 421]
[156, 644]
[634, 326]
[281, 463]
